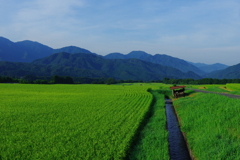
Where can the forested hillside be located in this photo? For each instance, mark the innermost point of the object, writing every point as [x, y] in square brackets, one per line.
[79, 62]
[90, 65]
[158, 59]
[210, 67]
[231, 72]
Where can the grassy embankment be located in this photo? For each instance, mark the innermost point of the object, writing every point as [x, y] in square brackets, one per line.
[212, 125]
[151, 142]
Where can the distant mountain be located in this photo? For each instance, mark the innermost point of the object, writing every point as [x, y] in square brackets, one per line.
[32, 50]
[20, 69]
[72, 49]
[27, 51]
[198, 64]
[138, 54]
[9, 51]
[63, 64]
[158, 59]
[232, 72]
[75, 61]
[117, 68]
[115, 55]
[210, 68]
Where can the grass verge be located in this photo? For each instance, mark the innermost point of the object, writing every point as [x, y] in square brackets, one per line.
[152, 142]
[212, 125]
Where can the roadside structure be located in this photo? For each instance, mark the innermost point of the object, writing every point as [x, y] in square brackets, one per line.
[178, 91]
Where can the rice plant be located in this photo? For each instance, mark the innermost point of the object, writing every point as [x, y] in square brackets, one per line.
[212, 125]
[152, 141]
[70, 121]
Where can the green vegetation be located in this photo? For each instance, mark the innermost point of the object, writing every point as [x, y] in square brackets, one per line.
[70, 121]
[121, 121]
[230, 88]
[211, 123]
[210, 87]
[92, 66]
[231, 72]
[234, 86]
[152, 140]
[202, 81]
[164, 60]
[217, 89]
[30, 79]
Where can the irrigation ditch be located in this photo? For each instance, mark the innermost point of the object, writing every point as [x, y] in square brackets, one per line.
[178, 147]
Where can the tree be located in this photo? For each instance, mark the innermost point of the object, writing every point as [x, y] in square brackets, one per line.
[6, 80]
[110, 81]
[56, 79]
[68, 80]
[61, 80]
[40, 81]
[28, 79]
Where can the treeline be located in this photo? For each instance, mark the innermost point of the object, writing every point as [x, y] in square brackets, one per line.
[30, 79]
[8, 80]
[200, 81]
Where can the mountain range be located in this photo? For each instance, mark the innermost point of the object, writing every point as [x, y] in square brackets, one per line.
[28, 57]
[210, 68]
[158, 59]
[93, 66]
[232, 72]
[28, 51]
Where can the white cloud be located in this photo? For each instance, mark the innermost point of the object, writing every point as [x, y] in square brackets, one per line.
[176, 28]
[41, 20]
[37, 9]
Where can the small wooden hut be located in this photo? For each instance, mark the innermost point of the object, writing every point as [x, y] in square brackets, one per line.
[178, 91]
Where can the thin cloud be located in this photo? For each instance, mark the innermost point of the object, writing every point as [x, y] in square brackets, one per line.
[166, 27]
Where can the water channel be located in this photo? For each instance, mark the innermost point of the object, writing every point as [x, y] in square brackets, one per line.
[177, 145]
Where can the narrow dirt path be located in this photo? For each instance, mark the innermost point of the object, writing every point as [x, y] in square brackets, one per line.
[223, 94]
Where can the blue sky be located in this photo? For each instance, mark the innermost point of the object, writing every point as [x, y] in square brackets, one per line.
[206, 31]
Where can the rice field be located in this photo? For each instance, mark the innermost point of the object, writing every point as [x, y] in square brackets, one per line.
[233, 86]
[210, 87]
[72, 121]
[69, 121]
[212, 125]
[152, 141]
[123, 121]
[229, 88]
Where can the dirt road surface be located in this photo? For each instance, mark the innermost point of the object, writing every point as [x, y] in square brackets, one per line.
[224, 94]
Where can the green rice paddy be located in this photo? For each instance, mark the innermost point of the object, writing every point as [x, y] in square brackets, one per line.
[123, 121]
[151, 143]
[212, 125]
[230, 88]
[71, 121]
